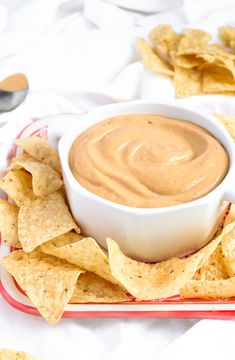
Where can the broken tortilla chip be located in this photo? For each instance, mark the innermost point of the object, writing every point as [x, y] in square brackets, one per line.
[206, 289]
[18, 185]
[151, 60]
[42, 220]
[45, 180]
[151, 281]
[92, 288]
[41, 150]
[84, 252]
[187, 81]
[213, 268]
[193, 41]
[49, 282]
[9, 223]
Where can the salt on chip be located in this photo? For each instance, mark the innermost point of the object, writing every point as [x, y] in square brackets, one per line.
[151, 281]
[187, 81]
[92, 288]
[206, 289]
[41, 150]
[229, 123]
[7, 354]
[151, 60]
[49, 282]
[85, 253]
[9, 223]
[42, 220]
[45, 180]
[18, 185]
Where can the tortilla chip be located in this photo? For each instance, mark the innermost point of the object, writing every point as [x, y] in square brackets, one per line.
[165, 40]
[228, 250]
[151, 60]
[217, 80]
[193, 41]
[18, 185]
[6, 354]
[230, 218]
[226, 35]
[187, 81]
[92, 288]
[151, 281]
[213, 268]
[206, 289]
[43, 220]
[9, 223]
[186, 61]
[217, 58]
[84, 252]
[232, 45]
[49, 282]
[229, 122]
[41, 150]
[45, 180]
[13, 163]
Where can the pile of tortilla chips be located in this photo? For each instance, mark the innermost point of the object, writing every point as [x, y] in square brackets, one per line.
[195, 64]
[55, 265]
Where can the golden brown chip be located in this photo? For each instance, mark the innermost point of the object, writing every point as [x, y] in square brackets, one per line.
[226, 35]
[7, 354]
[229, 122]
[232, 45]
[228, 249]
[84, 252]
[217, 80]
[217, 58]
[165, 41]
[45, 180]
[9, 223]
[49, 282]
[151, 281]
[186, 61]
[41, 150]
[213, 268]
[13, 163]
[193, 41]
[151, 60]
[92, 288]
[187, 81]
[231, 216]
[18, 185]
[206, 289]
[42, 220]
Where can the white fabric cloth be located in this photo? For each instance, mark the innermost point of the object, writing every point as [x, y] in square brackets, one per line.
[78, 54]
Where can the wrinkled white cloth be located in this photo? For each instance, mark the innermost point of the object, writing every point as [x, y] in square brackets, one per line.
[78, 54]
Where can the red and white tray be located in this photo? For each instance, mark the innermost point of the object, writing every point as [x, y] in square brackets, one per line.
[171, 307]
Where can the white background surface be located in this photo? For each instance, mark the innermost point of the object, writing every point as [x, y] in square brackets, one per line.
[72, 51]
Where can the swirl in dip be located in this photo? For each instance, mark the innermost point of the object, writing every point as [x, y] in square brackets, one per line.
[148, 161]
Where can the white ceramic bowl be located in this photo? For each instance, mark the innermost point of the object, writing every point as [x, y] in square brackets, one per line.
[148, 234]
